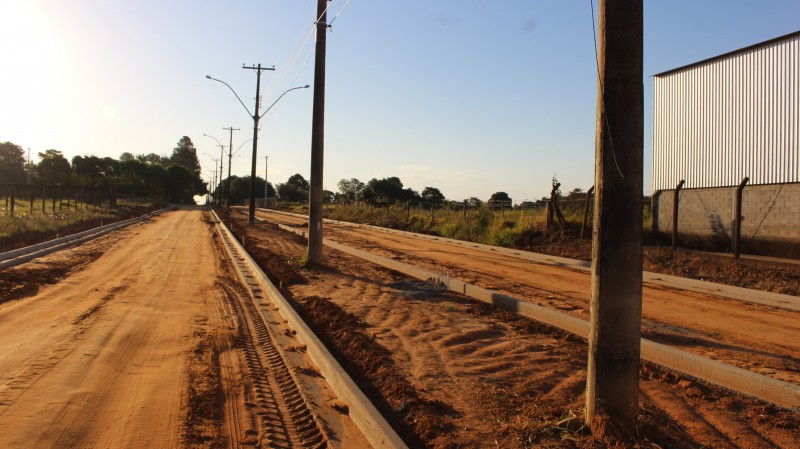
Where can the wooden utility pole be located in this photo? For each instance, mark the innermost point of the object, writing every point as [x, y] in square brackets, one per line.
[230, 157]
[612, 384]
[315, 195]
[266, 183]
[256, 118]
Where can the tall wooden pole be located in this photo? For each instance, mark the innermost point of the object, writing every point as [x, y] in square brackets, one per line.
[612, 387]
[230, 157]
[251, 217]
[315, 196]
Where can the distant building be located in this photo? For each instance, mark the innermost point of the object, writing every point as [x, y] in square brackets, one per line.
[718, 121]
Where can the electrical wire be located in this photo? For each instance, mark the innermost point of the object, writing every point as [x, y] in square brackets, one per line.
[339, 13]
[302, 43]
[603, 92]
[330, 2]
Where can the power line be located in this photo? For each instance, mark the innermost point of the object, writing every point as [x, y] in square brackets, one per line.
[603, 92]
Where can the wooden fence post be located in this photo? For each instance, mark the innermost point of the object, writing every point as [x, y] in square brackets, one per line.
[737, 232]
[676, 199]
[586, 210]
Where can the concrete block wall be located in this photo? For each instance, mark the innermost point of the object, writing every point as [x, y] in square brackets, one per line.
[770, 217]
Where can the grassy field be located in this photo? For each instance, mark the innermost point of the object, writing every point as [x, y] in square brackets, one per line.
[31, 225]
[507, 228]
[26, 219]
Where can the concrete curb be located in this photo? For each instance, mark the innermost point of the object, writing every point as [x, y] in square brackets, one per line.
[22, 255]
[363, 413]
[779, 300]
[737, 379]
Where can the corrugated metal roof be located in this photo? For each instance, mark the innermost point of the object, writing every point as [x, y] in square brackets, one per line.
[724, 55]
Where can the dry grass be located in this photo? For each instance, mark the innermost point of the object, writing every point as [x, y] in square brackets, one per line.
[37, 221]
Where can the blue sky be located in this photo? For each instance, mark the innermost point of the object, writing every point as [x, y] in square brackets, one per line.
[472, 97]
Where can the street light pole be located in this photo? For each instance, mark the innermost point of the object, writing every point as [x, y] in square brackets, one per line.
[251, 218]
[214, 176]
[221, 154]
[256, 117]
[230, 156]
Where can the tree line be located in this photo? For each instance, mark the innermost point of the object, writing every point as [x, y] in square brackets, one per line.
[174, 179]
[387, 191]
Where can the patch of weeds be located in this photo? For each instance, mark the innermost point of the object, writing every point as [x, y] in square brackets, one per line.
[297, 262]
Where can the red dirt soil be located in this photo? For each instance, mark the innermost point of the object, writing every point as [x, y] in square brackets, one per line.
[449, 372]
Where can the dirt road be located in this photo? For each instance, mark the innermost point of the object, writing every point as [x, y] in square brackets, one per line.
[99, 358]
[763, 339]
[135, 349]
[448, 372]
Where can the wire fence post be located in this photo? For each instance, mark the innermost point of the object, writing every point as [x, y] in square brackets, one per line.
[586, 210]
[737, 232]
[676, 199]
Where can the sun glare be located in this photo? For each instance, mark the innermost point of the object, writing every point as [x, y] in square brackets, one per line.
[32, 61]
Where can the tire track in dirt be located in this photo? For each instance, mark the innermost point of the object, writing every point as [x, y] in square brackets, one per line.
[512, 382]
[759, 338]
[293, 404]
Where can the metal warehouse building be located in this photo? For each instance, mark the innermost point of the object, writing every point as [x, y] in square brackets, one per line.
[726, 123]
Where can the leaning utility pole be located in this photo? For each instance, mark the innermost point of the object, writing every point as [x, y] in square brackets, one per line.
[256, 118]
[612, 384]
[317, 140]
[230, 156]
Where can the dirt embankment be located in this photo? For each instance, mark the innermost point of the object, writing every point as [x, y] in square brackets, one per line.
[769, 277]
[452, 373]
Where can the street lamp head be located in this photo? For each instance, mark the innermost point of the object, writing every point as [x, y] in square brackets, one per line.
[306, 86]
[209, 77]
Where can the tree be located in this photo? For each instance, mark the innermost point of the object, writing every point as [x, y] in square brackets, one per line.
[95, 171]
[474, 202]
[298, 181]
[182, 185]
[140, 179]
[153, 158]
[388, 190]
[294, 190]
[352, 190]
[432, 195]
[500, 196]
[53, 168]
[240, 188]
[124, 157]
[185, 154]
[576, 194]
[12, 163]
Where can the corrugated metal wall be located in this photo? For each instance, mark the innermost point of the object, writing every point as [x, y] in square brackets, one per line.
[738, 115]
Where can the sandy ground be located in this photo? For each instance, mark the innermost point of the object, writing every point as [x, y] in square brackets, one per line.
[136, 343]
[464, 375]
[763, 339]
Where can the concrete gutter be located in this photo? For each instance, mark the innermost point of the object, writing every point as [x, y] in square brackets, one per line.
[22, 255]
[363, 413]
[737, 379]
[779, 300]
